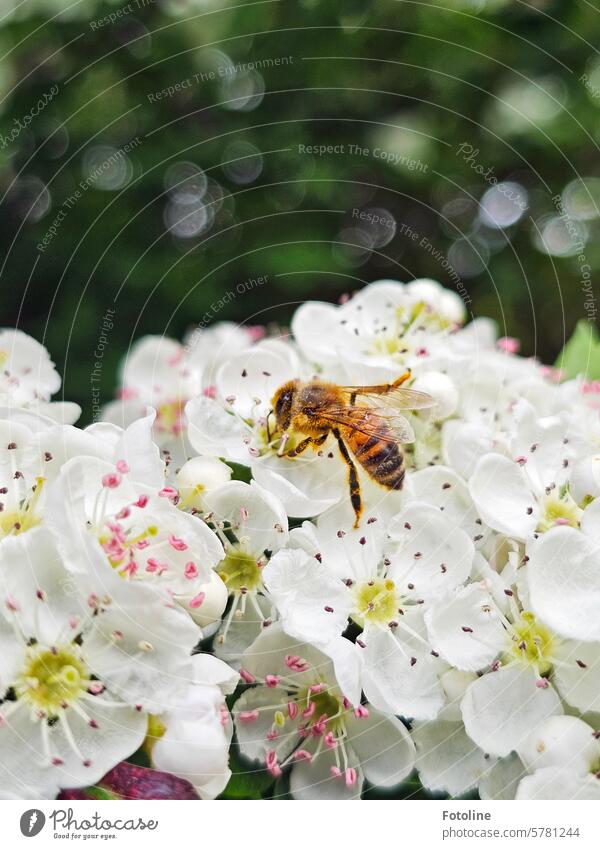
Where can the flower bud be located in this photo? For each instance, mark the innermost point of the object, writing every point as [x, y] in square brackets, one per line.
[199, 476]
[442, 389]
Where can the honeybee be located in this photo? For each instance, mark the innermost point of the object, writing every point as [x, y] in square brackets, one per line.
[363, 419]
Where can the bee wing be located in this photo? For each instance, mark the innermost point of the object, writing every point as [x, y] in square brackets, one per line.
[398, 399]
[385, 425]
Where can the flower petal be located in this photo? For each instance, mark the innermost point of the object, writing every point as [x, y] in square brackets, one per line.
[500, 708]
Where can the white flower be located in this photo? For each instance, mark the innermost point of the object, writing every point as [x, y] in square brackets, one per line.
[447, 759]
[195, 733]
[563, 757]
[199, 476]
[33, 449]
[77, 672]
[523, 661]
[234, 426]
[102, 516]
[384, 329]
[27, 374]
[563, 577]
[207, 347]
[156, 373]
[304, 710]
[252, 525]
[527, 493]
[382, 586]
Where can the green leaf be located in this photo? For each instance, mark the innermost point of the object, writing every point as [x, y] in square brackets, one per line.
[581, 354]
[247, 781]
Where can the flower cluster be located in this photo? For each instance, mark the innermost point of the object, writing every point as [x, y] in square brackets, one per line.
[198, 552]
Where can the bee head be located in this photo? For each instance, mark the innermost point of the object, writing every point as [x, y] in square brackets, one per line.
[282, 404]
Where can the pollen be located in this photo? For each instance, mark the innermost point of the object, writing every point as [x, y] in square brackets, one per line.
[52, 678]
[531, 643]
[240, 571]
[376, 601]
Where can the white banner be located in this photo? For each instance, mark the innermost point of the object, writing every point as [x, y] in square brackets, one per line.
[410, 824]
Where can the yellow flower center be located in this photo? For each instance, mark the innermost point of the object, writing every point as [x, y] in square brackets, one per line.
[375, 601]
[52, 678]
[559, 511]
[169, 417]
[25, 517]
[531, 643]
[239, 570]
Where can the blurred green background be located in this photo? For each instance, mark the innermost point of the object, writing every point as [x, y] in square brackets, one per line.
[155, 155]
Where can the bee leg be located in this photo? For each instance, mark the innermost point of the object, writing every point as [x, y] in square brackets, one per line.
[355, 497]
[402, 379]
[302, 446]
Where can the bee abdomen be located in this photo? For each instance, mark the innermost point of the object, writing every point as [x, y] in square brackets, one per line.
[382, 460]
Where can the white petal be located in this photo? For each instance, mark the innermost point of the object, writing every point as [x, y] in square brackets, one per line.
[394, 684]
[255, 374]
[428, 552]
[447, 759]
[304, 489]
[500, 708]
[501, 495]
[197, 751]
[150, 663]
[463, 443]
[502, 780]
[443, 488]
[563, 576]
[120, 733]
[558, 783]
[314, 327]
[561, 741]
[578, 685]
[313, 603]
[260, 516]
[314, 780]
[466, 629]
[214, 431]
[383, 746]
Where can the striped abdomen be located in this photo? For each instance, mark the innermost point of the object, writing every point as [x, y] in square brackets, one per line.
[380, 456]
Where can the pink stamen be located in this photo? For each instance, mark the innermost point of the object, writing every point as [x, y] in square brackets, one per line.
[509, 344]
[112, 480]
[350, 776]
[142, 501]
[293, 661]
[122, 467]
[335, 771]
[330, 740]
[292, 710]
[542, 684]
[210, 392]
[177, 544]
[197, 600]
[302, 755]
[272, 764]
[272, 680]
[169, 492]
[248, 716]
[309, 711]
[361, 712]
[191, 570]
[246, 676]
